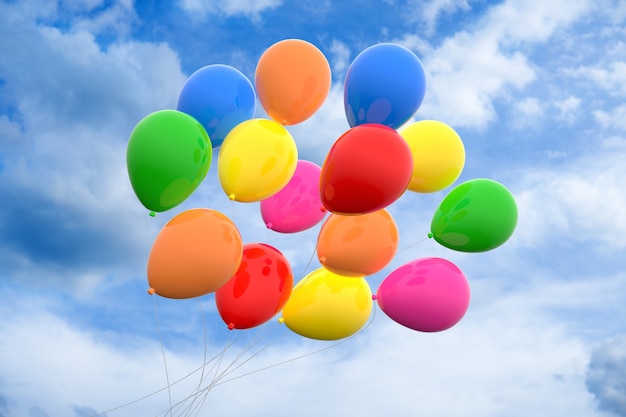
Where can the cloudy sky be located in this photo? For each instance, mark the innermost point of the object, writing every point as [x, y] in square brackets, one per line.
[537, 92]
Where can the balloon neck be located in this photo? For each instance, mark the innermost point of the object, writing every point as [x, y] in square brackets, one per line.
[374, 297]
[231, 326]
[430, 235]
[151, 291]
[152, 213]
[269, 225]
[281, 320]
[323, 259]
[231, 196]
[323, 209]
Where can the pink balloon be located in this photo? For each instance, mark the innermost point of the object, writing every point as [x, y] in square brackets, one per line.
[427, 295]
[298, 205]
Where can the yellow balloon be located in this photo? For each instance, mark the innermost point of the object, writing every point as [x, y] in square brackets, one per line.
[257, 158]
[438, 155]
[327, 306]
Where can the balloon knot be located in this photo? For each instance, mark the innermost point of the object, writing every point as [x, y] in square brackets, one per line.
[152, 214]
[323, 259]
[374, 297]
[281, 320]
[430, 235]
[323, 209]
[231, 196]
[231, 326]
[269, 225]
[151, 291]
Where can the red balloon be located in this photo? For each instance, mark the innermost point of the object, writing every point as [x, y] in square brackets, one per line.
[368, 168]
[258, 290]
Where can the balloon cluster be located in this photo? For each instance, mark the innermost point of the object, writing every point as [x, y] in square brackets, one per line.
[370, 166]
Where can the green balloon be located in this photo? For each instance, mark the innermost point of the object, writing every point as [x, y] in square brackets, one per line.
[168, 156]
[476, 216]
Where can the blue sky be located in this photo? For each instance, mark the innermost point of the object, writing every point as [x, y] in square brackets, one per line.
[535, 89]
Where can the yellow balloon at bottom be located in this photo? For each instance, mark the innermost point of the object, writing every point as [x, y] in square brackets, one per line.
[327, 306]
[438, 155]
[256, 160]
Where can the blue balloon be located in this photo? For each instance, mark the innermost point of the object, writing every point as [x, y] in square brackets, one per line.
[385, 84]
[219, 97]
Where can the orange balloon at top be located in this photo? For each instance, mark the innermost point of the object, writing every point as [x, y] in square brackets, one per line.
[194, 254]
[292, 80]
[359, 245]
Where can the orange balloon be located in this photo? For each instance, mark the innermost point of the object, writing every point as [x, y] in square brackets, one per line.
[194, 254]
[292, 80]
[359, 245]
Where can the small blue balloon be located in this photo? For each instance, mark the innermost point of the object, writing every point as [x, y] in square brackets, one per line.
[219, 97]
[385, 84]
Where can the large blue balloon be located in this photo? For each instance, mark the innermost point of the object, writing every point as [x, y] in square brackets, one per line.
[219, 97]
[385, 84]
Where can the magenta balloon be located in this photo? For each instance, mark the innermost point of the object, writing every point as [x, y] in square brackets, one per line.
[298, 205]
[427, 295]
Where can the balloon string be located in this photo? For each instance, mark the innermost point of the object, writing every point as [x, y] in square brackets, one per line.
[204, 392]
[196, 393]
[204, 359]
[167, 377]
[183, 378]
[304, 355]
[415, 244]
[219, 379]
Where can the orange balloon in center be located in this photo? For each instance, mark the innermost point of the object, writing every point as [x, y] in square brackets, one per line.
[194, 254]
[292, 80]
[359, 245]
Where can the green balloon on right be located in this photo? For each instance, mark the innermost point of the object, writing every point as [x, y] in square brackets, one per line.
[476, 216]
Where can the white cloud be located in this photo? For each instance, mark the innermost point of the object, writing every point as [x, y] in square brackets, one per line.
[465, 75]
[517, 21]
[613, 119]
[568, 108]
[470, 70]
[75, 108]
[606, 377]
[80, 5]
[579, 200]
[340, 59]
[507, 357]
[608, 76]
[428, 13]
[248, 8]
[527, 113]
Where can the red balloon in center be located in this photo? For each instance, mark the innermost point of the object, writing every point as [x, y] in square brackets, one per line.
[258, 290]
[368, 168]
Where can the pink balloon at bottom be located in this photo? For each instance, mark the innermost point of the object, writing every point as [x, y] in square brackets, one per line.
[427, 295]
[297, 206]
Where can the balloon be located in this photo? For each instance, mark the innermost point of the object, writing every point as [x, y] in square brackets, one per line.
[297, 206]
[356, 246]
[258, 290]
[476, 216]
[427, 295]
[384, 84]
[167, 157]
[219, 97]
[292, 80]
[326, 306]
[367, 168]
[257, 159]
[194, 254]
[438, 155]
